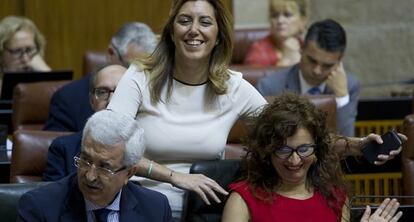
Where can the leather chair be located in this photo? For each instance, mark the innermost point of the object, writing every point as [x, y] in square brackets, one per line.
[254, 73]
[408, 157]
[243, 39]
[9, 197]
[195, 210]
[31, 103]
[93, 59]
[29, 154]
[234, 148]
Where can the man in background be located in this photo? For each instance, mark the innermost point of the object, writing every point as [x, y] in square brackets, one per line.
[60, 155]
[320, 71]
[69, 107]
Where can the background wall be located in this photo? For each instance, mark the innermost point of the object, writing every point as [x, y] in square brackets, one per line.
[250, 14]
[380, 35]
[73, 26]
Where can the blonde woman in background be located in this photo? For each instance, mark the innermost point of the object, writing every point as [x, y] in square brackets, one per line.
[281, 47]
[21, 46]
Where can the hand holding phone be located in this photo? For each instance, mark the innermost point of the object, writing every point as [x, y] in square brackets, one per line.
[391, 141]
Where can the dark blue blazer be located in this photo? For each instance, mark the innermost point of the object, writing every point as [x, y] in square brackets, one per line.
[69, 107]
[60, 161]
[63, 201]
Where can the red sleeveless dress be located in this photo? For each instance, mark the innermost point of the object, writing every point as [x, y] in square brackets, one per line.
[287, 209]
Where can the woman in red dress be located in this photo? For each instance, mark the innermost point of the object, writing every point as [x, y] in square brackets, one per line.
[290, 173]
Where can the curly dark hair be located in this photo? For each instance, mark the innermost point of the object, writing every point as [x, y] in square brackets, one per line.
[271, 128]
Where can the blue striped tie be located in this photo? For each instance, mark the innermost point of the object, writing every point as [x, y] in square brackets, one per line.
[314, 91]
[101, 215]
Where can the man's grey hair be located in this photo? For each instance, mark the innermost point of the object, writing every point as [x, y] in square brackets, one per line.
[109, 128]
[135, 32]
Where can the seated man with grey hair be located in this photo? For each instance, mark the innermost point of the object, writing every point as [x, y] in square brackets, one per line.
[112, 145]
[69, 107]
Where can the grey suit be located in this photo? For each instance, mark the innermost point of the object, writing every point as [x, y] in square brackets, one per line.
[288, 80]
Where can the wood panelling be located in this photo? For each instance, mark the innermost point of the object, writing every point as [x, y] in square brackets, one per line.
[73, 26]
[11, 7]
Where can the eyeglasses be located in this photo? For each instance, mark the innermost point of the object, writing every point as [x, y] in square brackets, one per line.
[102, 93]
[86, 165]
[18, 53]
[302, 151]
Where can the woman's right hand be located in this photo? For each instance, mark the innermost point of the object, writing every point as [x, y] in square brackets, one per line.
[204, 186]
[385, 212]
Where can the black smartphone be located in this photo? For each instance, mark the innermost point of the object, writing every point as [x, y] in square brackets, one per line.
[391, 142]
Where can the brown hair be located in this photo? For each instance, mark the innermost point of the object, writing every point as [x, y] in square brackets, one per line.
[271, 128]
[160, 64]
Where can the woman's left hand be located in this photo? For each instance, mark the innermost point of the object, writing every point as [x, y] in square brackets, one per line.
[382, 158]
[385, 212]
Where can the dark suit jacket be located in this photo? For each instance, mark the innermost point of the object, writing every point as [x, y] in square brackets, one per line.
[288, 80]
[60, 161]
[62, 201]
[69, 107]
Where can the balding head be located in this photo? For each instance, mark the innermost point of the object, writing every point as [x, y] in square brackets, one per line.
[103, 84]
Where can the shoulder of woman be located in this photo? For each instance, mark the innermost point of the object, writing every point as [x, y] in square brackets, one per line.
[136, 71]
[235, 77]
[239, 185]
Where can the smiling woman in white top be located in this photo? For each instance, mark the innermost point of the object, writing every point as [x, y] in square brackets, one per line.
[186, 99]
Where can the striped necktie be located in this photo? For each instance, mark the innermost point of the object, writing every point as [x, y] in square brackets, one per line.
[101, 215]
[314, 91]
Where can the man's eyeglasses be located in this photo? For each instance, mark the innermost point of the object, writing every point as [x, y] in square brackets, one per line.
[102, 93]
[18, 53]
[302, 151]
[86, 165]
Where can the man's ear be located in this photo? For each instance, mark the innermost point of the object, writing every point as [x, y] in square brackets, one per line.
[91, 101]
[131, 172]
[111, 51]
[111, 55]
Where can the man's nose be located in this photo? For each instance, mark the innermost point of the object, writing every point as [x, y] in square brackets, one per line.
[91, 174]
[317, 69]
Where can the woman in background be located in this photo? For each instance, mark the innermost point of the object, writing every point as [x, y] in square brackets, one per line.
[281, 47]
[290, 173]
[21, 46]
